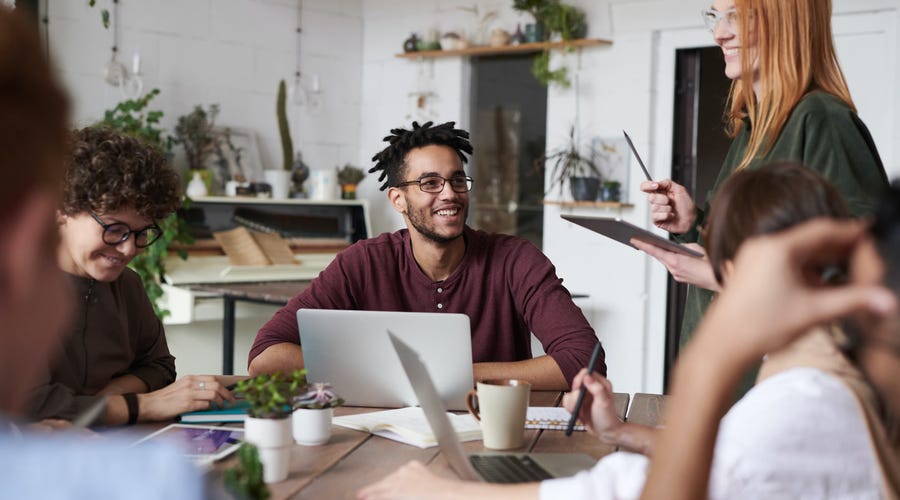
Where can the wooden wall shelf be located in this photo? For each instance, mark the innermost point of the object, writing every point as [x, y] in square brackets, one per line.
[506, 49]
[589, 204]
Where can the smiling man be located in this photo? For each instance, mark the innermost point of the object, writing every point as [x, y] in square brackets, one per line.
[504, 284]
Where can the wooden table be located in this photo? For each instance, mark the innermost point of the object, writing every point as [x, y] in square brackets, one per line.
[275, 293]
[352, 459]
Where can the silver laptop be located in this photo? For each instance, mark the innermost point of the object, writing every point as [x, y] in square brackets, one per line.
[490, 467]
[351, 350]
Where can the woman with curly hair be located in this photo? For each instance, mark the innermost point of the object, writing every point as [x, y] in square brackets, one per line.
[115, 190]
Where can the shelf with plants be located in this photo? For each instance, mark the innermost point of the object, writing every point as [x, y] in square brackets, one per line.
[588, 204]
[524, 48]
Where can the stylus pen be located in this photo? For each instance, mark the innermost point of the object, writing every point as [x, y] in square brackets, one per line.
[580, 400]
[636, 155]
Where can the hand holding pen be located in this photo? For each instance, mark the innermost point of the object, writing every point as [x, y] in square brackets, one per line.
[575, 411]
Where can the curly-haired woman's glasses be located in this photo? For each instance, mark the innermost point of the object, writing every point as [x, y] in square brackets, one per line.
[435, 183]
[119, 232]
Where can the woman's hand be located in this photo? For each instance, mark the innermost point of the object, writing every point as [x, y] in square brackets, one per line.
[190, 393]
[671, 207]
[598, 410]
[412, 480]
[695, 271]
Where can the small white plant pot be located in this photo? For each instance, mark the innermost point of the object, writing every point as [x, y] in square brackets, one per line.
[280, 180]
[312, 427]
[272, 437]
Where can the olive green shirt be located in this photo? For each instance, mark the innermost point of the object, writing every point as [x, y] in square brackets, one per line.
[825, 135]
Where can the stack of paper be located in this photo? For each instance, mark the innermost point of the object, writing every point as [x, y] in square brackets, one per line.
[409, 425]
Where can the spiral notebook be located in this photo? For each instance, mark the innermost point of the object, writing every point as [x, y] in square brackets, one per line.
[549, 417]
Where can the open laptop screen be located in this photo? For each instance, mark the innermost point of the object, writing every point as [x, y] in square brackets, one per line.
[351, 350]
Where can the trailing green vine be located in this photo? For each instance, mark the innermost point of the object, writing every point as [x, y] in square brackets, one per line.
[540, 68]
[567, 21]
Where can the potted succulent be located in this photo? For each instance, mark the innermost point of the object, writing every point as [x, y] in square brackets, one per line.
[568, 164]
[313, 411]
[267, 425]
[245, 479]
[610, 191]
[348, 177]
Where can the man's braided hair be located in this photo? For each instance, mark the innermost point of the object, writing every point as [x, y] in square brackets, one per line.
[391, 159]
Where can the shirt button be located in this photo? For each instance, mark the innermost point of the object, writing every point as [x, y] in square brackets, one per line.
[440, 306]
[440, 290]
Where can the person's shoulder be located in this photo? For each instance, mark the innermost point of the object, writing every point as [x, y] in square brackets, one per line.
[802, 383]
[376, 247]
[383, 240]
[797, 434]
[499, 241]
[80, 469]
[824, 106]
[789, 402]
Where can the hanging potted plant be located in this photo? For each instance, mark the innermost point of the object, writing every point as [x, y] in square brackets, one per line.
[267, 425]
[313, 411]
[569, 165]
[348, 177]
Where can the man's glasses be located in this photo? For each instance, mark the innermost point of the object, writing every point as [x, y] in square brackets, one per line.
[730, 17]
[118, 232]
[435, 183]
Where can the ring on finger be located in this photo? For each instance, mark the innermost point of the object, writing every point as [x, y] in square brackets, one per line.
[202, 385]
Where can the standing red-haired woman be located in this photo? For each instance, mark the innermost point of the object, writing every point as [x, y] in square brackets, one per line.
[788, 102]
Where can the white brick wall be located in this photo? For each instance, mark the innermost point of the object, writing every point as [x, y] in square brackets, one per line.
[230, 52]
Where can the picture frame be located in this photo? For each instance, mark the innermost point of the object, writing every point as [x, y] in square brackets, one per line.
[613, 158]
[236, 155]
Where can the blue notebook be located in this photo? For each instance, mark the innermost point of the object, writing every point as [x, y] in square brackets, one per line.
[235, 412]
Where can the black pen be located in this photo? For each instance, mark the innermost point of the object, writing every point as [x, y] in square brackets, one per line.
[636, 155]
[580, 400]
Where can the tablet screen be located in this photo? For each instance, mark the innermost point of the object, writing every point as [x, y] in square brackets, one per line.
[623, 232]
[201, 443]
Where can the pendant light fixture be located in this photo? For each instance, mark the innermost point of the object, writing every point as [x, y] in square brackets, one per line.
[296, 92]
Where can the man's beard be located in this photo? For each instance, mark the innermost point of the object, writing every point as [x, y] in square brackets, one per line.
[418, 223]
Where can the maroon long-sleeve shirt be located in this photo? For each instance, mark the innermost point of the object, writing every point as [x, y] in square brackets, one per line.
[504, 284]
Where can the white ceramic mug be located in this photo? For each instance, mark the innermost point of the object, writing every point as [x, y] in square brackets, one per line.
[501, 407]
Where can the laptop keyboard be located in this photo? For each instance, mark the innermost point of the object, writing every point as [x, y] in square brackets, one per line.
[508, 468]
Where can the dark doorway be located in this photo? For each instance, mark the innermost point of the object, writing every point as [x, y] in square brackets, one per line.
[509, 122]
[699, 146]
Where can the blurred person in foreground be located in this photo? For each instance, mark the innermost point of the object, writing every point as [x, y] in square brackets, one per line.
[35, 303]
[770, 301]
